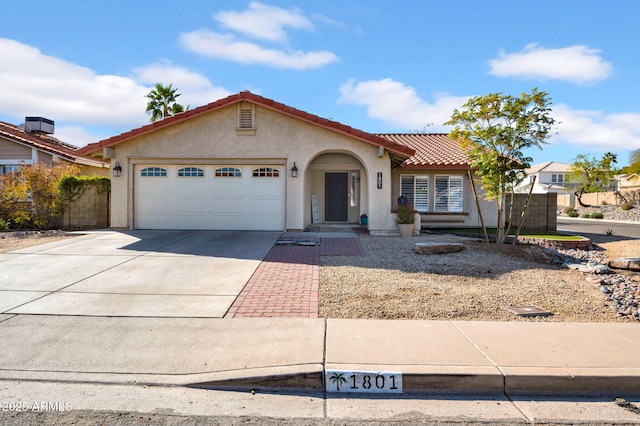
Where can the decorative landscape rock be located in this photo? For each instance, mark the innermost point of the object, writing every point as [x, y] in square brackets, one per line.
[438, 248]
[630, 263]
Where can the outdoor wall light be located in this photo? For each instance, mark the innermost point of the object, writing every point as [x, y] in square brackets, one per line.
[294, 170]
[117, 169]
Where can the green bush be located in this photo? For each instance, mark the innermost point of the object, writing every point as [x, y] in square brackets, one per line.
[4, 225]
[567, 209]
[405, 214]
[573, 213]
[626, 206]
[597, 215]
[586, 215]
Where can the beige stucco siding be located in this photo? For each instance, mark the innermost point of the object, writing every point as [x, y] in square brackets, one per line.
[14, 151]
[279, 139]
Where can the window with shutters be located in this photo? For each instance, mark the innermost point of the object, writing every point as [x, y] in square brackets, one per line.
[246, 119]
[416, 189]
[448, 194]
[353, 196]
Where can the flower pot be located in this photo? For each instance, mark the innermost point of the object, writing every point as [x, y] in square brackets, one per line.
[406, 229]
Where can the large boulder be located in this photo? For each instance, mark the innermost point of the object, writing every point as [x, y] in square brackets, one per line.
[631, 263]
[438, 248]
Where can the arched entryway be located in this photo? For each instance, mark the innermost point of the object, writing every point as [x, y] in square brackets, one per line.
[336, 187]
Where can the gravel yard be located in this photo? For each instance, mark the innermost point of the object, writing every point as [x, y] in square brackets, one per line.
[479, 283]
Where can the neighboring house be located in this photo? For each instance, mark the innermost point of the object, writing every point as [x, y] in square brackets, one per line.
[628, 183]
[549, 177]
[248, 162]
[35, 144]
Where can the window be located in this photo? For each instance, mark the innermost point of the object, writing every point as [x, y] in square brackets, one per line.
[153, 171]
[416, 189]
[228, 172]
[266, 172]
[8, 169]
[190, 172]
[448, 196]
[558, 178]
[353, 199]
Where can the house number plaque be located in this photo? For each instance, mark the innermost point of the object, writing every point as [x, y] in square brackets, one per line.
[343, 381]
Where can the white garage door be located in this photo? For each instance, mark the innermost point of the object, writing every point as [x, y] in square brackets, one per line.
[241, 197]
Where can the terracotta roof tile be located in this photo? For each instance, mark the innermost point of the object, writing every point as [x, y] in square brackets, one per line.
[432, 150]
[41, 141]
[402, 150]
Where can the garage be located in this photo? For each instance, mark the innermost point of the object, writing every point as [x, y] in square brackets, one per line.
[209, 197]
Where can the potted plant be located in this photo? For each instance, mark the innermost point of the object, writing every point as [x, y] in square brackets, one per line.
[405, 218]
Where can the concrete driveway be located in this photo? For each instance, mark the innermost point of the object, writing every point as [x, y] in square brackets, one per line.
[133, 274]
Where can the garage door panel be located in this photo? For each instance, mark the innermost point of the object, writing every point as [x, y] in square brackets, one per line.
[201, 200]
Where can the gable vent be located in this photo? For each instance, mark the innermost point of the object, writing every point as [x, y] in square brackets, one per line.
[246, 117]
[38, 125]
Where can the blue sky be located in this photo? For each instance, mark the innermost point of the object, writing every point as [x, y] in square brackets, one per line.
[379, 66]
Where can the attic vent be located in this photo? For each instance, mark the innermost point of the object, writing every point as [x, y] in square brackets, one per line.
[38, 125]
[246, 116]
[246, 119]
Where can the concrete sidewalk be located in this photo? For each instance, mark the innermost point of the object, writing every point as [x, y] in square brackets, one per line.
[294, 353]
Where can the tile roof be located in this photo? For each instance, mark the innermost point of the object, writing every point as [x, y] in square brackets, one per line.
[550, 166]
[400, 150]
[432, 150]
[43, 142]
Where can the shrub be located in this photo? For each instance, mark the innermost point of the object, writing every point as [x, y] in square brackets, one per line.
[597, 215]
[405, 214]
[573, 213]
[604, 203]
[586, 215]
[626, 206]
[4, 225]
[567, 209]
[29, 198]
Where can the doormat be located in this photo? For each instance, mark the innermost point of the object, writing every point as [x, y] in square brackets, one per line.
[311, 243]
[529, 311]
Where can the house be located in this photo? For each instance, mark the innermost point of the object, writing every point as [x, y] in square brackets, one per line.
[248, 162]
[33, 143]
[551, 176]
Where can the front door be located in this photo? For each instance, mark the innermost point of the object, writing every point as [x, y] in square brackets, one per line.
[336, 197]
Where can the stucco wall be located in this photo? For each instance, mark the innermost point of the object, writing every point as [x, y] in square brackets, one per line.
[279, 139]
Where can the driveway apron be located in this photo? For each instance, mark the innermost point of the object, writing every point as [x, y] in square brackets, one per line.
[136, 273]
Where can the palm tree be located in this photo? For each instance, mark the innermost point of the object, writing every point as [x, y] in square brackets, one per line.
[162, 102]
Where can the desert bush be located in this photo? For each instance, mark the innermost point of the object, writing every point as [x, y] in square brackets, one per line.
[29, 197]
[4, 225]
[586, 215]
[604, 203]
[626, 206]
[567, 209]
[573, 213]
[597, 215]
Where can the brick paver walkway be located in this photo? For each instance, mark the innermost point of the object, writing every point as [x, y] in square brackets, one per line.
[286, 282]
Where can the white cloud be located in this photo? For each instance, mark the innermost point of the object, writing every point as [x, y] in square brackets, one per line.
[38, 84]
[577, 64]
[399, 105]
[263, 21]
[79, 99]
[596, 130]
[225, 46]
[195, 89]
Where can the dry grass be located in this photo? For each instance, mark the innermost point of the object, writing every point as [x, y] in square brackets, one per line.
[10, 241]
